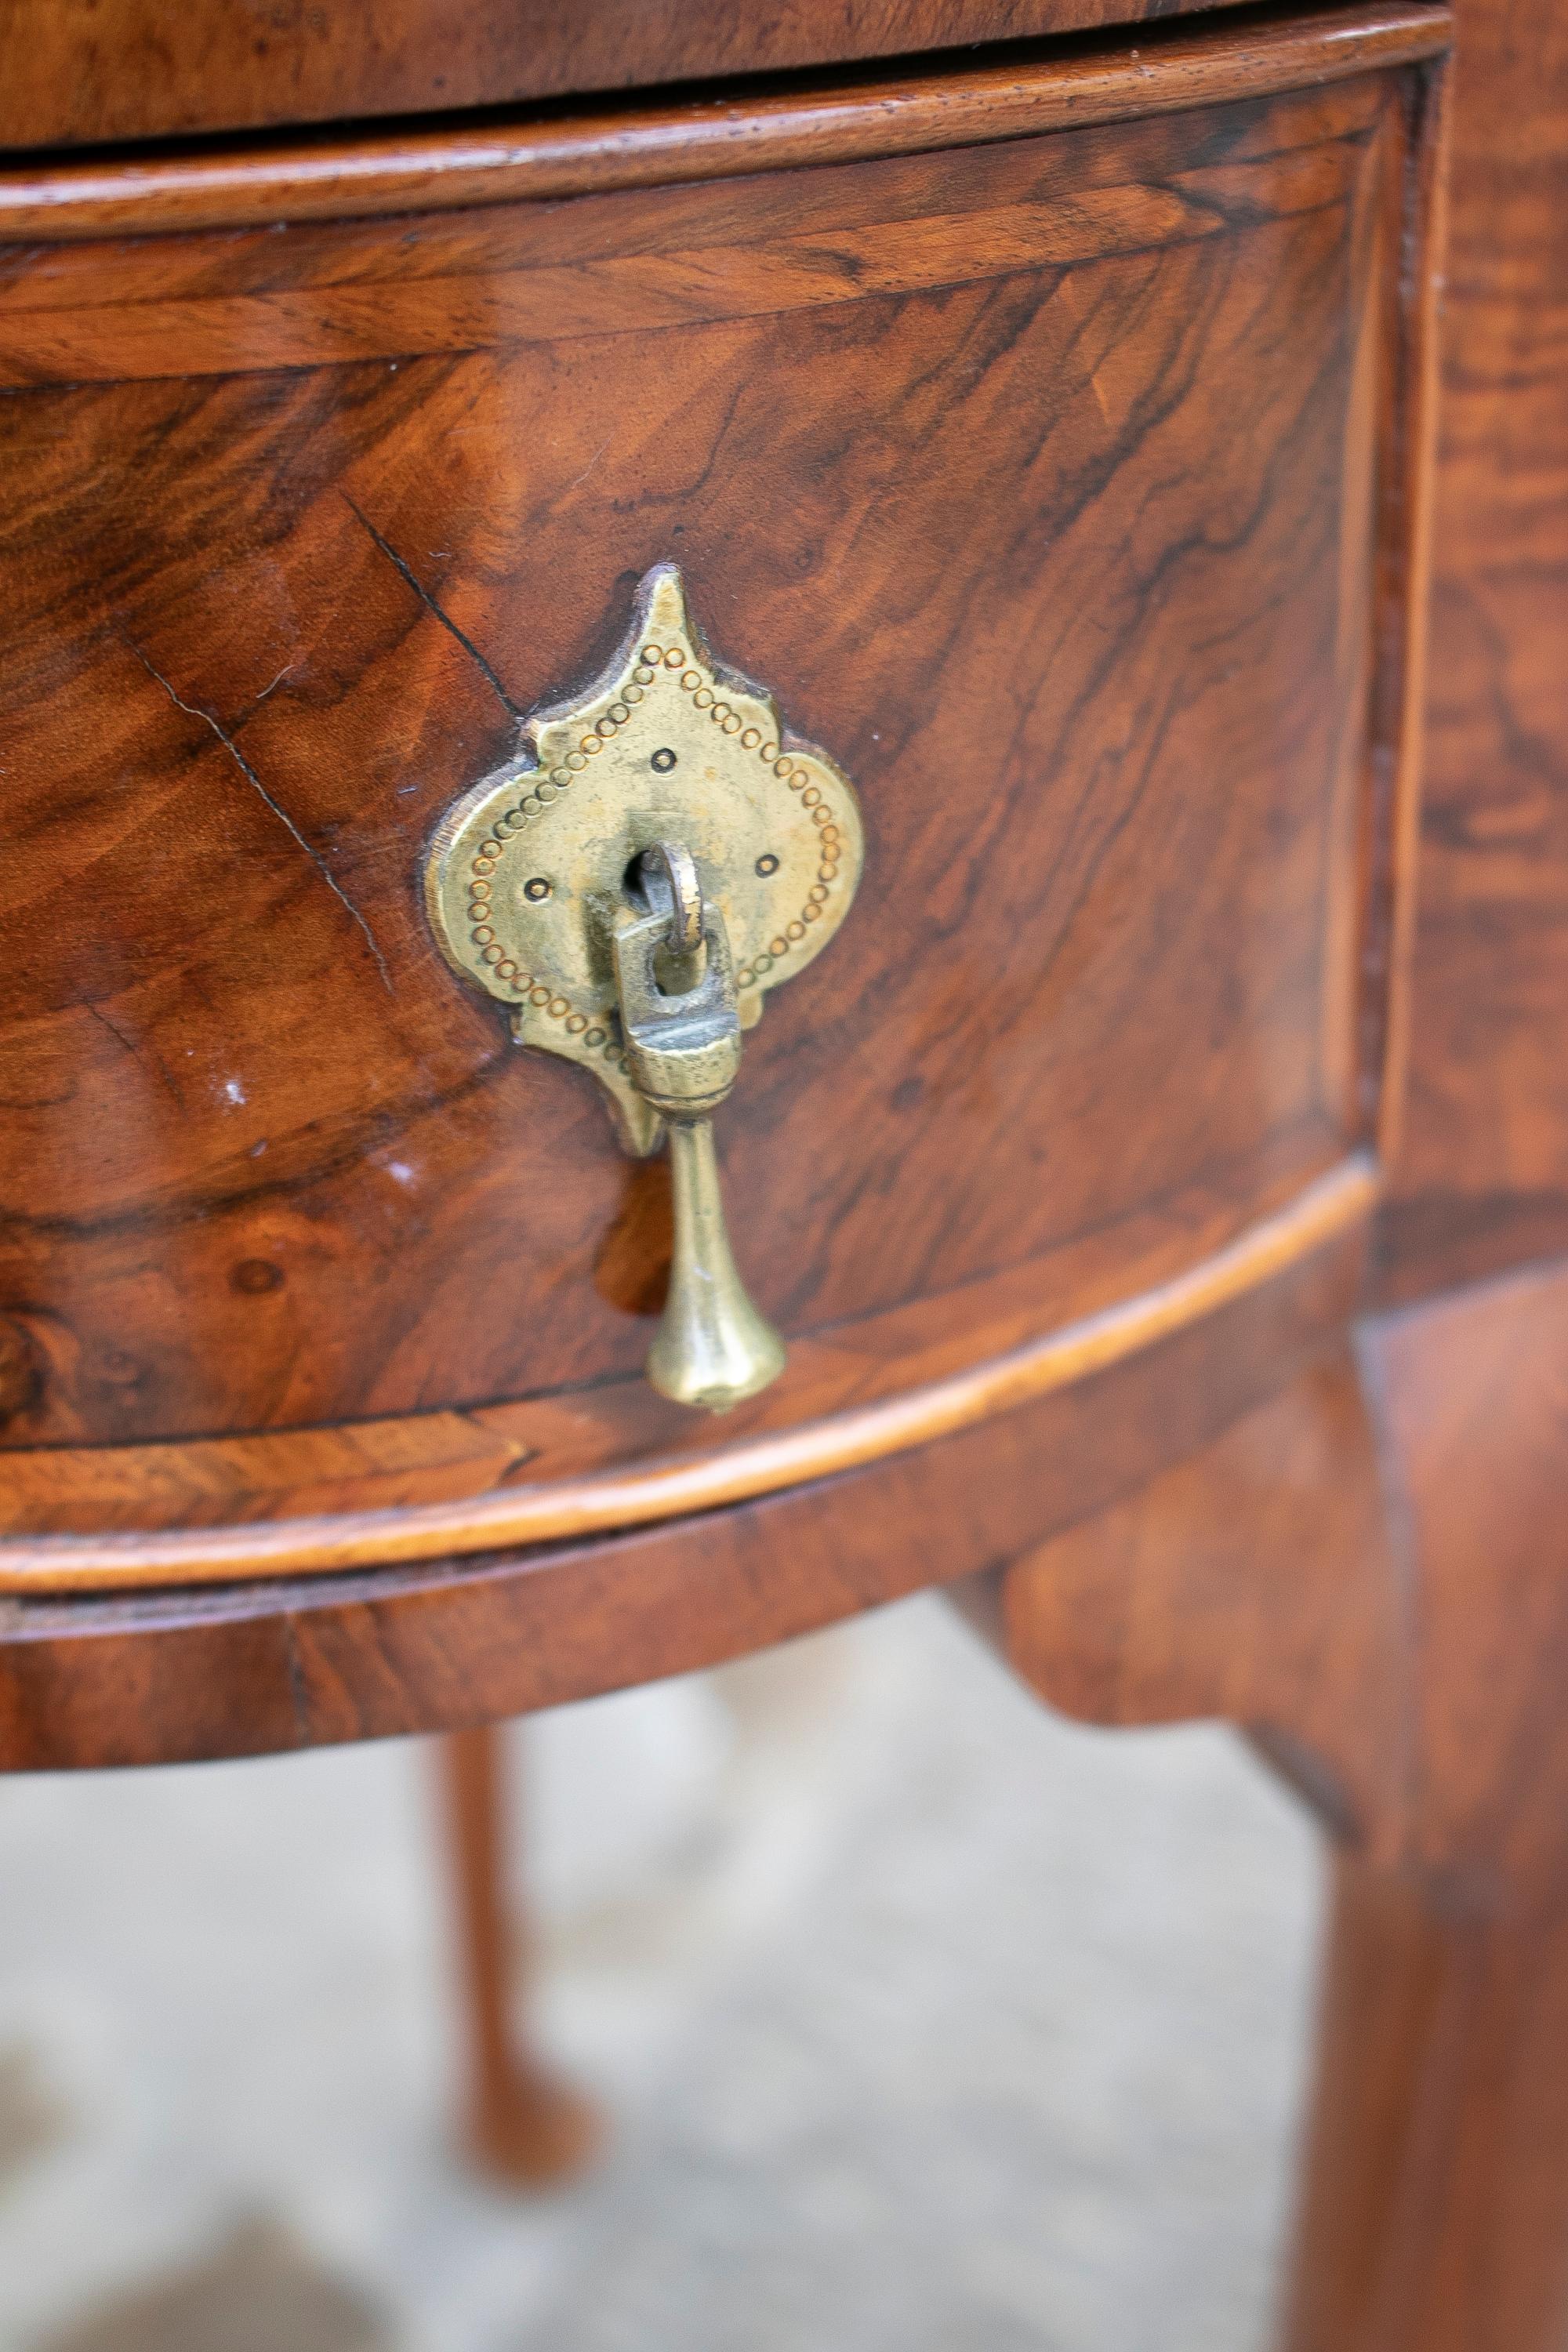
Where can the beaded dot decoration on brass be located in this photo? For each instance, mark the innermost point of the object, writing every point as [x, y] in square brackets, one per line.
[600, 1034]
[774, 756]
[544, 791]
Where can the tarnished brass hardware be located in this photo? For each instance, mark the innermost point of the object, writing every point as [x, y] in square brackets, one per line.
[668, 873]
[712, 1347]
[527, 872]
[680, 1019]
[681, 1023]
[541, 891]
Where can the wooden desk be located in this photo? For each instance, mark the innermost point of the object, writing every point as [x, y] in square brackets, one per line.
[1161, 1183]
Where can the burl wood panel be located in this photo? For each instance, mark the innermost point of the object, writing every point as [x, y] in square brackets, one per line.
[1483, 1179]
[155, 1676]
[77, 71]
[1039, 482]
[98, 1504]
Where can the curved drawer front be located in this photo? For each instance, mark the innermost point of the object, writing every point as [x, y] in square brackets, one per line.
[1053, 485]
[86, 71]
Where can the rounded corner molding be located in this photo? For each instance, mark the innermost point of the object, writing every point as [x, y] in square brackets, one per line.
[248, 182]
[1330, 1210]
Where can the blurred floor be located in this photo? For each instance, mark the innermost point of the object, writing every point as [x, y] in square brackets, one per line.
[926, 2020]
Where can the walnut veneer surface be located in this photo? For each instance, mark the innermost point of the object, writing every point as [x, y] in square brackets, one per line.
[93, 70]
[945, 444]
[291, 1171]
[1160, 1203]
[1482, 1179]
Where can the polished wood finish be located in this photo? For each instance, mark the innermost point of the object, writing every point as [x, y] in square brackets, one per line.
[1436, 2212]
[451, 167]
[1369, 1572]
[507, 280]
[332, 1190]
[460, 1478]
[1077, 485]
[87, 71]
[1339, 1204]
[523, 2125]
[1255, 1579]
[1436, 2215]
[1483, 1176]
[131, 1678]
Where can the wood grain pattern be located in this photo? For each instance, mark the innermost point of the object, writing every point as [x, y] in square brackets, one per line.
[140, 1676]
[88, 71]
[267, 621]
[445, 1454]
[452, 1456]
[1100, 452]
[1257, 1581]
[512, 1514]
[1483, 1177]
[510, 279]
[1391, 840]
[1436, 2217]
[1436, 2212]
[1018, 95]
[1371, 1574]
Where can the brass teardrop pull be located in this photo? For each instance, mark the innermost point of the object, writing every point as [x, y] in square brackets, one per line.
[632, 886]
[680, 1020]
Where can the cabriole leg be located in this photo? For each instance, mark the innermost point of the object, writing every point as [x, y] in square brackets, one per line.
[1435, 2202]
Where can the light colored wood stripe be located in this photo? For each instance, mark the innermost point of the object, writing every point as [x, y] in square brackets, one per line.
[446, 169]
[601, 1504]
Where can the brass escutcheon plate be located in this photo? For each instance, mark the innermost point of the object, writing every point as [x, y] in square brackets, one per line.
[527, 872]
